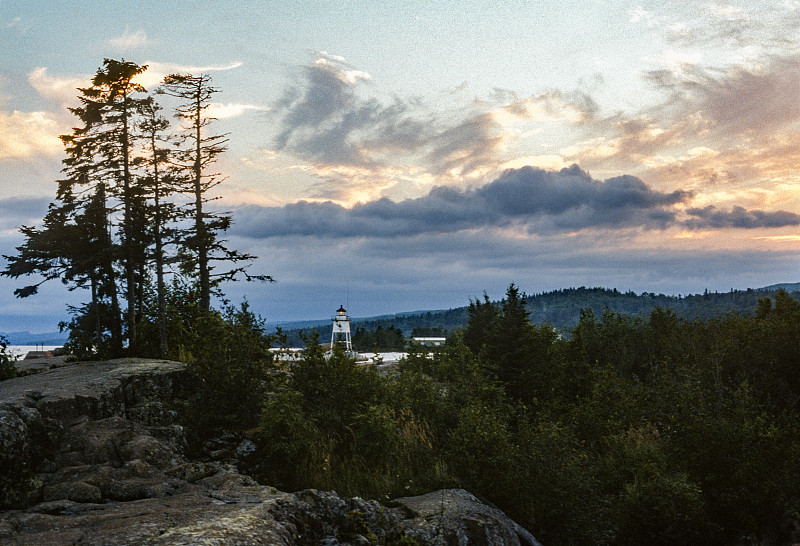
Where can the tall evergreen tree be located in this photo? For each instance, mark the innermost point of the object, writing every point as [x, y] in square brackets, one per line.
[73, 245]
[115, 210]
[101, 152]
[481, 325]
[159, 182]
[199, 153]
[512, 341]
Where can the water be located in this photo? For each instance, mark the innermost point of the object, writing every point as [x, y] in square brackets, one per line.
[21, 350]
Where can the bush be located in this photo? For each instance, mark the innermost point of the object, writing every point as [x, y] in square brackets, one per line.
[7, 369]
[636, 430]
[332, 426]
[229, 370]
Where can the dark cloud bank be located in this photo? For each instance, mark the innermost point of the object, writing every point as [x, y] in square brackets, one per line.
[544, 202]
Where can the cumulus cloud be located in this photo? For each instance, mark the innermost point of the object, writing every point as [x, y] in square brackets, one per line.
[62, 89]
[727, 78]
[746, 113]
[718, 95]
[711, 217]
[466, 147]
[533, 200]
[129, 40]
[576, 107]
[362, 146]
[227, 110]
[26, 134]
[637, 139]
[156, 71]
[328, 120]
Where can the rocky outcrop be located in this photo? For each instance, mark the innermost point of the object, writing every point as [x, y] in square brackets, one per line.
[228, 508]
[90, 453]
[455, 516]
[91, 430]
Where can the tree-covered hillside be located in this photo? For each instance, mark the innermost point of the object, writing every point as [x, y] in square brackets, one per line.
[562, 309]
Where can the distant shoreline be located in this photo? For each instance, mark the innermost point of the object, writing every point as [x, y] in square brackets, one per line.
[21, 350]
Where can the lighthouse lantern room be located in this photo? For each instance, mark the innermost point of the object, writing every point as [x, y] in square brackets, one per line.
[341, 330]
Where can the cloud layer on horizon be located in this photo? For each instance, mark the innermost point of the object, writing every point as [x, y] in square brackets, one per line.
[536, 200]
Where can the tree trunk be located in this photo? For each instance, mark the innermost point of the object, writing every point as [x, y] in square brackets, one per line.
[130, 266]
[108, 270]
[200, 226]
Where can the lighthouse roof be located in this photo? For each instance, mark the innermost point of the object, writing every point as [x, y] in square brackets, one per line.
[341, 310]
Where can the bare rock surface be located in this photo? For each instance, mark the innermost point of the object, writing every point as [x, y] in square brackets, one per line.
[92, 453]
[95, 389]
[226, 509]
[455, 516]
[34, 364]
[84, 427]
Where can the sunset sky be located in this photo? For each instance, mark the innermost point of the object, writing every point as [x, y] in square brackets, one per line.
[407, 155]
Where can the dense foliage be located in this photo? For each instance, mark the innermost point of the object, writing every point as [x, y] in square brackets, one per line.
[632, 430]
[229, 364]
[379, 339]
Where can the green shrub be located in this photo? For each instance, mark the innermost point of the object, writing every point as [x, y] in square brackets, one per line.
[229, 371]
[331, 426]
[7, 369]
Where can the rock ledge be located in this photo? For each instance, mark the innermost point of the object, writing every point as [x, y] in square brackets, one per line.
[91, 453]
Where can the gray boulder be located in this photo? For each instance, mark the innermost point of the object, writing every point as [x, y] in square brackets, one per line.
[456, 517]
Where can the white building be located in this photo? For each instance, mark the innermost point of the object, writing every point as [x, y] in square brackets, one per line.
[430, 341]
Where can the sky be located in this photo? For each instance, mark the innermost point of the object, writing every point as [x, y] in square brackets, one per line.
[409, 155]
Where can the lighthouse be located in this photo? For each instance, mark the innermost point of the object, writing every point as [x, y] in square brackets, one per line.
[341, 330]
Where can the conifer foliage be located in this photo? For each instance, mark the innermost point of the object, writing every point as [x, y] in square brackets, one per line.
[197, 155]
[119, 222]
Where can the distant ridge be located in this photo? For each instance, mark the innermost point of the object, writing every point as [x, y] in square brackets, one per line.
[562, 309]
[788, 286]
[559, 307]
[27, 338]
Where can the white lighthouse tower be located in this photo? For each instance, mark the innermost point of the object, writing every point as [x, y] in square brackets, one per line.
[341, 331]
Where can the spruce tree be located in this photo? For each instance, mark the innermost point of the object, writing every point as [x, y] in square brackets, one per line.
[102, 153]
[115, 209]
[200, 151]
[160, 182]
[512, 340]
[73, 245]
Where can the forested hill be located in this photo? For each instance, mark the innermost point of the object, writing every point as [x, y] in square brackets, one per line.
[562, 308]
